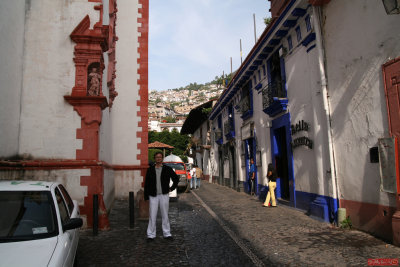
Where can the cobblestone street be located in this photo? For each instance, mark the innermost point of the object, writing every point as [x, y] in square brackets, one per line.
[217, 226]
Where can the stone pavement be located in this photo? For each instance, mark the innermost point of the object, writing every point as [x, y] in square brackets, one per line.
[217, 226]
[286, 236]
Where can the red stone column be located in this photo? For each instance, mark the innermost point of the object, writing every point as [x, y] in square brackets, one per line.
[143, 84]
[144, 98]
[89, 103]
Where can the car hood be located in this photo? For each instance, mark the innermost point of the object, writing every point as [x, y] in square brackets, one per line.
[27, 253]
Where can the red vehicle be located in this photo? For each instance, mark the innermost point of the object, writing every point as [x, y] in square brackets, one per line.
[179, 167]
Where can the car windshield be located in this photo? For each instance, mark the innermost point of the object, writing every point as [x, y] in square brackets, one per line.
[26, 215]
[176, 166]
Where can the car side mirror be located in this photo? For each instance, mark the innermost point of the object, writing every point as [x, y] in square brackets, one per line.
[72, 223]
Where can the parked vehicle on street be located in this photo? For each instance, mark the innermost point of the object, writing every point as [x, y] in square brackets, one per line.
[39, 224]
[179, 167]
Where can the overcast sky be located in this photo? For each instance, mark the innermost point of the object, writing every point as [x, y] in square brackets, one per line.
[193, 40]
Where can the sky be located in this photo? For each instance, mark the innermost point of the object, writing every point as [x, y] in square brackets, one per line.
[193, 40]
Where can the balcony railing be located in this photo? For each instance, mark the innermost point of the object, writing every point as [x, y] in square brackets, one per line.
[274, 98]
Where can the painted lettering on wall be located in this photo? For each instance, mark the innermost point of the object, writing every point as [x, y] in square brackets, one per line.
[301, 141]
[300, 126]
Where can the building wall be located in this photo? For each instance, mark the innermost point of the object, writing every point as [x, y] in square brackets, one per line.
[358, 106]
[311, 166]
[105, 126]
[109, 188]
[358, 38]
[46, 129]
[262, 126]
[12, 19]
[127, 181]
[124, 111]
[214, 168]
[48, 123]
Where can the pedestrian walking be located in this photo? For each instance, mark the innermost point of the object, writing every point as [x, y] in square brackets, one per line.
[271, 175]
[252, 177]
[199, 176]
[193, 180]
[156, 189]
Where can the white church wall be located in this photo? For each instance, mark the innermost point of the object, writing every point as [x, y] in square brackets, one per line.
[124, 112]
[12, 19]
[48, 124]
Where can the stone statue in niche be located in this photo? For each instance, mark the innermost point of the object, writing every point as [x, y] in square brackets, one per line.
[94, 83]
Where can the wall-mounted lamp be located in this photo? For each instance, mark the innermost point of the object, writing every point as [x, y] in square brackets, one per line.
[282, 51]
[391, 6]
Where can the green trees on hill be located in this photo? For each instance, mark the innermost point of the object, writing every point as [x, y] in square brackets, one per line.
[222, 80]
[174, 138]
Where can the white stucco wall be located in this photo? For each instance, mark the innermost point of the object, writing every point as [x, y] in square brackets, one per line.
[127, 181]
[12, 19]
[124, 112]
[360, 37]
[70, 178]
[105, 126]
[48, 122]
[262, 126]
[311, 166]
[109, 188]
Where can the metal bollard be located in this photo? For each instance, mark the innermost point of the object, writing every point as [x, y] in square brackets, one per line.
[95, 214]
[131, 210]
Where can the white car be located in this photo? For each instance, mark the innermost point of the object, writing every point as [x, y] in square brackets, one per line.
[39, 224]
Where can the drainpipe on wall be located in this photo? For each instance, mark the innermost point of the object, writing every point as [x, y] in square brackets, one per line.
[317, 14]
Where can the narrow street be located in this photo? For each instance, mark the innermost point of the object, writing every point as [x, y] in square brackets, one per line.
[217, 226]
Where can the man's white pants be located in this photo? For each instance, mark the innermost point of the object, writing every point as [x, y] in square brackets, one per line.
[163, 202]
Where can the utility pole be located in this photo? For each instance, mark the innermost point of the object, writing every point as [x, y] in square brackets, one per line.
[231, 65]
[255, 34]
[241, 52]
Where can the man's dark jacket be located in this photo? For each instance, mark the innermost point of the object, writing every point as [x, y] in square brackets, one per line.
[167, 173]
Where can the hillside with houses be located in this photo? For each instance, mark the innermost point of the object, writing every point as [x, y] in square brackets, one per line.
[168, 109]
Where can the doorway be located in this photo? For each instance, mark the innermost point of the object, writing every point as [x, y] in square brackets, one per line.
[249, 149]
[282, 157]
[220, 167]
[281, 161]
[391, 78]
[232, 167]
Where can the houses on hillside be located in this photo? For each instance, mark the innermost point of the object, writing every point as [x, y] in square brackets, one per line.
[317, 97]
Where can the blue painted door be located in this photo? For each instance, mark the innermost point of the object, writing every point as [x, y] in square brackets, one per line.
[282, 156]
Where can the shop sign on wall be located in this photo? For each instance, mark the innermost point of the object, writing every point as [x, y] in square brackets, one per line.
[303, 140]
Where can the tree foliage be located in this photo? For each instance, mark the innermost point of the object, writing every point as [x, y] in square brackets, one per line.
[222, 80]
[174, 138]
[267, 21]
[169, 119]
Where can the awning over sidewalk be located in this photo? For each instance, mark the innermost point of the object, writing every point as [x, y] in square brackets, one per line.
[159, 145]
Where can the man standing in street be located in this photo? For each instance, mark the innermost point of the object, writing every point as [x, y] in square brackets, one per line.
[156, 189]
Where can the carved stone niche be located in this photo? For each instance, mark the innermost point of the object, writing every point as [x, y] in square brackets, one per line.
[88, 54]
[94, 80]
